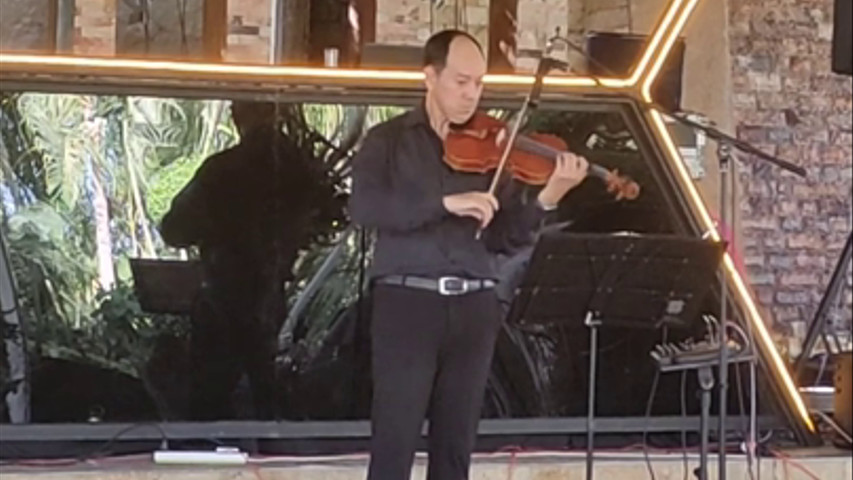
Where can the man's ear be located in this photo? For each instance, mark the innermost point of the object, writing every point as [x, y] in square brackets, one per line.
[430, 76]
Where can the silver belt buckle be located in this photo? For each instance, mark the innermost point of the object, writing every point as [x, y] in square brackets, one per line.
[452, 286]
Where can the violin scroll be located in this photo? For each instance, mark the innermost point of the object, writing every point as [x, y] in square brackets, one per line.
[622, 186]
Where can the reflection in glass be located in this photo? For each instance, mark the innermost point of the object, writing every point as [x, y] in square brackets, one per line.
[192, 260]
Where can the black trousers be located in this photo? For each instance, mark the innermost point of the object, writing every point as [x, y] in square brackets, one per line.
[431, 358]
[232, 335]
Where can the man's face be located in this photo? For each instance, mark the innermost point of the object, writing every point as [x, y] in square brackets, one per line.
[458, 87]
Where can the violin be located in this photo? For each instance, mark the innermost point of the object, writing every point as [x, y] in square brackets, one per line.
[480, 146]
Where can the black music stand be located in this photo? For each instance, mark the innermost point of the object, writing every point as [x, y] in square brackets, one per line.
[628, 280]
[166, 286]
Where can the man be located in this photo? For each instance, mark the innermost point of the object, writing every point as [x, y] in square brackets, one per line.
[248, 210]
[436, 315]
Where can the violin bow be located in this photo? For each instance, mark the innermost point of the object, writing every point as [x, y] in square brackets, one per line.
[546, 64]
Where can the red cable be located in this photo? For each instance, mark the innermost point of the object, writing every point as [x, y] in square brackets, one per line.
[789, 461]
[511, 469]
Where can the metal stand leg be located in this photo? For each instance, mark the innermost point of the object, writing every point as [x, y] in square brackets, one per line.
[706, 383]
[725, 157]
[590, 419]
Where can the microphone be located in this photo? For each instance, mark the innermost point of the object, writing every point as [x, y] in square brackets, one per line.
[548, 61]
[549, 45]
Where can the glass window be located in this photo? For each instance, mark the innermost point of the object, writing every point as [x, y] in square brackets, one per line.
[191, 259]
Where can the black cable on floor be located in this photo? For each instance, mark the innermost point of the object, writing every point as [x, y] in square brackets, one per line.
[649, 404]
[683, 423]
[105, 449]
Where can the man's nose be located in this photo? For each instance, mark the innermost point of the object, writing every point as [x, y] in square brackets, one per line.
[470, 92]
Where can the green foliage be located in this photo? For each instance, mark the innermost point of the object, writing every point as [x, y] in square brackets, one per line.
[167, 182]
[143, 150]
[56, 277]
[58, 153]
[57, 126]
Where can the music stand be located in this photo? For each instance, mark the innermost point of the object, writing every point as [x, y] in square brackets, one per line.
[166, 286]
[627, 280]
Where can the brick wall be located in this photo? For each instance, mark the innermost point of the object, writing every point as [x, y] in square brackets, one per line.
[787, 100]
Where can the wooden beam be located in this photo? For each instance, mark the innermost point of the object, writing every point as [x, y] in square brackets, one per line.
[63, 13]
[296, 19]
[360, 31]
[52, 26]
[366, 10]
[214, 29]
[503, 26]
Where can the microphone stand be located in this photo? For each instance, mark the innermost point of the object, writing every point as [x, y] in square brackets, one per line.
[726, 144]
[710, 131]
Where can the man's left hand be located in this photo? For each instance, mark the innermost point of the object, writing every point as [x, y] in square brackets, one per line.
[570, 170]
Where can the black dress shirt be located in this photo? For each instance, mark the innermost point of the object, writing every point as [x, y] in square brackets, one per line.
[399, 181]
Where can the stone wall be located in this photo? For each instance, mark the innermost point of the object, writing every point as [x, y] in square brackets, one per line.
[538, 21]
[134, 27]
[788, 101]
[25, 25]
[95, 27]
[249, 31]
[410, 22]
[159, 29]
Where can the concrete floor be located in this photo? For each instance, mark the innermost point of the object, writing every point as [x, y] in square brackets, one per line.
[824, 465]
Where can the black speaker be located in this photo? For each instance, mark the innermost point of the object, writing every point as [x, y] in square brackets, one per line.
[842, 42]
[617, 53]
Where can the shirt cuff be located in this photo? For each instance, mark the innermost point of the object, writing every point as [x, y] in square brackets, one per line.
[547, 208]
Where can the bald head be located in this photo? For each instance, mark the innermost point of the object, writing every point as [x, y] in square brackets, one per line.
[438, 47]
[249, 116]
[454, 66]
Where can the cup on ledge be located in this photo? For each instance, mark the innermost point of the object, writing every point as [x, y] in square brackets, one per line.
[330, 56]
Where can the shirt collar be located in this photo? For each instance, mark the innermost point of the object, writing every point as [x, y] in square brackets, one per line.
[418, 116]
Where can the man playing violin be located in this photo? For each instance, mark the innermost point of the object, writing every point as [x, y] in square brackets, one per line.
[435, 312]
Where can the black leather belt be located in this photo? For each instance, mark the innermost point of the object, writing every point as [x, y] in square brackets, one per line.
[443, 286]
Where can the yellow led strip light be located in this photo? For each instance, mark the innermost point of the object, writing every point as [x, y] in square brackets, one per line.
[16, 61]
[674, 156]
[666, 48]
[644, 73]
[118, 66]
[653, 48]
[776, 362]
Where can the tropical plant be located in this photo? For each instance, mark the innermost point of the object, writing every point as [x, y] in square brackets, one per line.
[70, 162]
[84, 183]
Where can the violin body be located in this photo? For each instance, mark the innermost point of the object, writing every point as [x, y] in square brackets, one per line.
[479, 147]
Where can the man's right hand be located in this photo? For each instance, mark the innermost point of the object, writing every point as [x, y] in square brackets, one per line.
[478, 205]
